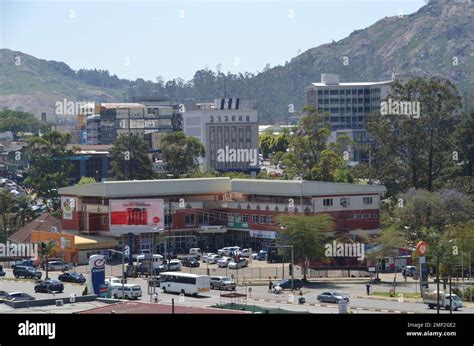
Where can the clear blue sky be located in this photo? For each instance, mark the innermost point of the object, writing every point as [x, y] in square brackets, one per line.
[174, 38]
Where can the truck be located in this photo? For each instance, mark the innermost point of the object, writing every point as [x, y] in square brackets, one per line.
[445, 300]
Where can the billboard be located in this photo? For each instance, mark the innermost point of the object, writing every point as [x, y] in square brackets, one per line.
[135, 215]
[68, 206]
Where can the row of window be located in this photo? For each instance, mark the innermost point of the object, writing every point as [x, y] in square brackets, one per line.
[233, 118]
[346, 92]
[345, 201]
[365, 216]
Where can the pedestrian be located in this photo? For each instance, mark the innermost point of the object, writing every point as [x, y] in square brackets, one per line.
[368, 288]
[270, 286]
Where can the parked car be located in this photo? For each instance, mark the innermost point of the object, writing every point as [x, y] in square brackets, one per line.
[409, 270]
[57, 266]
[222, 251]
[207, 256]
[113, 282]
[27, 272]
[49, 286]
[72, 277]
[223, 262]
[245, 253]
[3, 295]
[173, 265]
[195, 252]
[213, 259]
[222, 283]
[2, 272]
[237, 265]
[27, 263]
[286, 284]
[190, 262]
[261, 256]
[332, 297]
[19, 296]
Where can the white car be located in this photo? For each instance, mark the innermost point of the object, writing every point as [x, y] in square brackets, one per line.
[213, 259]
[207, 256]
[240, 264]
[128, 291]
[114, 282]
[174, 265]
[224, 262]
[244, 253]
[223, 251]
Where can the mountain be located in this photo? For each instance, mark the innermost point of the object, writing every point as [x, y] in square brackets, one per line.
[437, 40]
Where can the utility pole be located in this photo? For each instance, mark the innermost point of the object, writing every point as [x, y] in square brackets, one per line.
[437, 281]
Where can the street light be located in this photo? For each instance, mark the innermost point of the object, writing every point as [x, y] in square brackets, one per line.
[152, 268]
[123, 269]
[292, 261]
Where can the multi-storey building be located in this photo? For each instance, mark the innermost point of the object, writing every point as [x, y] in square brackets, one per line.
[213, 212]
[347, 106]
[225, 125]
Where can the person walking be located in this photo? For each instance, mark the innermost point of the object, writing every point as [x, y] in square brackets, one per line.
[270, 286]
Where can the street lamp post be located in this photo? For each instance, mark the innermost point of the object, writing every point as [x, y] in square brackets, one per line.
[292, 261]
[123, 269]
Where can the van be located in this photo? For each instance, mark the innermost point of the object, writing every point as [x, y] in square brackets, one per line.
[144, 261]
[128, 291]
[195, 252]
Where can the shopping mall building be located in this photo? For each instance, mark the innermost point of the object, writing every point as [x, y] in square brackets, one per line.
[212, 212]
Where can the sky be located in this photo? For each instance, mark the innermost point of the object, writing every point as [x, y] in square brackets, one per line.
[175, 38]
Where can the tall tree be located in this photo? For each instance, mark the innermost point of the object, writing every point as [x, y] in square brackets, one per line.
[310, 156]
[129, 160]
[306, 234]
[47, 250]
[6, 207]
[181, 153]
[49, 165]
[415, 150]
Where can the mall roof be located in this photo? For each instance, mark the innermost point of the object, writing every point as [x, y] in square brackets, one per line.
[167, 187]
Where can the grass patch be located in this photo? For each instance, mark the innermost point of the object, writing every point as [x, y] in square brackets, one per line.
[405, 294]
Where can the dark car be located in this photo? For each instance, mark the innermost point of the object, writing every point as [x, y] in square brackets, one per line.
[2, 272]
[72, 277]
[332, 297]
[3, 295]
[189, 262]
[26, 272]
[286, 284]
[24, 263]
[261, 256]
[19, 296]
[49, 286]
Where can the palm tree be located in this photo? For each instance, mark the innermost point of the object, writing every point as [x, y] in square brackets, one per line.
[45, 251]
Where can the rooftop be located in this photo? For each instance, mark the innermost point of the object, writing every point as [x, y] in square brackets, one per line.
[167, 187]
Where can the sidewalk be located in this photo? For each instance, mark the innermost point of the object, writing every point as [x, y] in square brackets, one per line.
[411, 300]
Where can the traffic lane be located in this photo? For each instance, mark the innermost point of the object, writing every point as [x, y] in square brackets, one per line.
[310, 295]
[28, 286]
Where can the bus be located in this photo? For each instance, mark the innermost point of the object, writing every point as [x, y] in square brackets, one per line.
[184, 283]
[144, 260]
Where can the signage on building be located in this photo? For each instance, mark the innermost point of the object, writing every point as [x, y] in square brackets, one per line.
[262, 234]
[68, 207]
[97, 270]
[212, 229]
[135, 215]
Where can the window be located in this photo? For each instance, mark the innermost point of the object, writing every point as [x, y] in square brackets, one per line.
[254, 218]
[204, 219]
[270, 219]
[240, 118]
[233, 118]
[245, 218]
[262, 219]
[168, 220]
[327, 202]
[226, 118]
[104, 220]
[367, 200]
[221, 216]
[345, 202]
[211, 119]
[247, 118]
[190, 220]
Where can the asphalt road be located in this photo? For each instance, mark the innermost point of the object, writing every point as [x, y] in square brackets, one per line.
[259, 295]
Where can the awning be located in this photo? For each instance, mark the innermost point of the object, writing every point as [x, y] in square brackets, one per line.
[94, 243]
